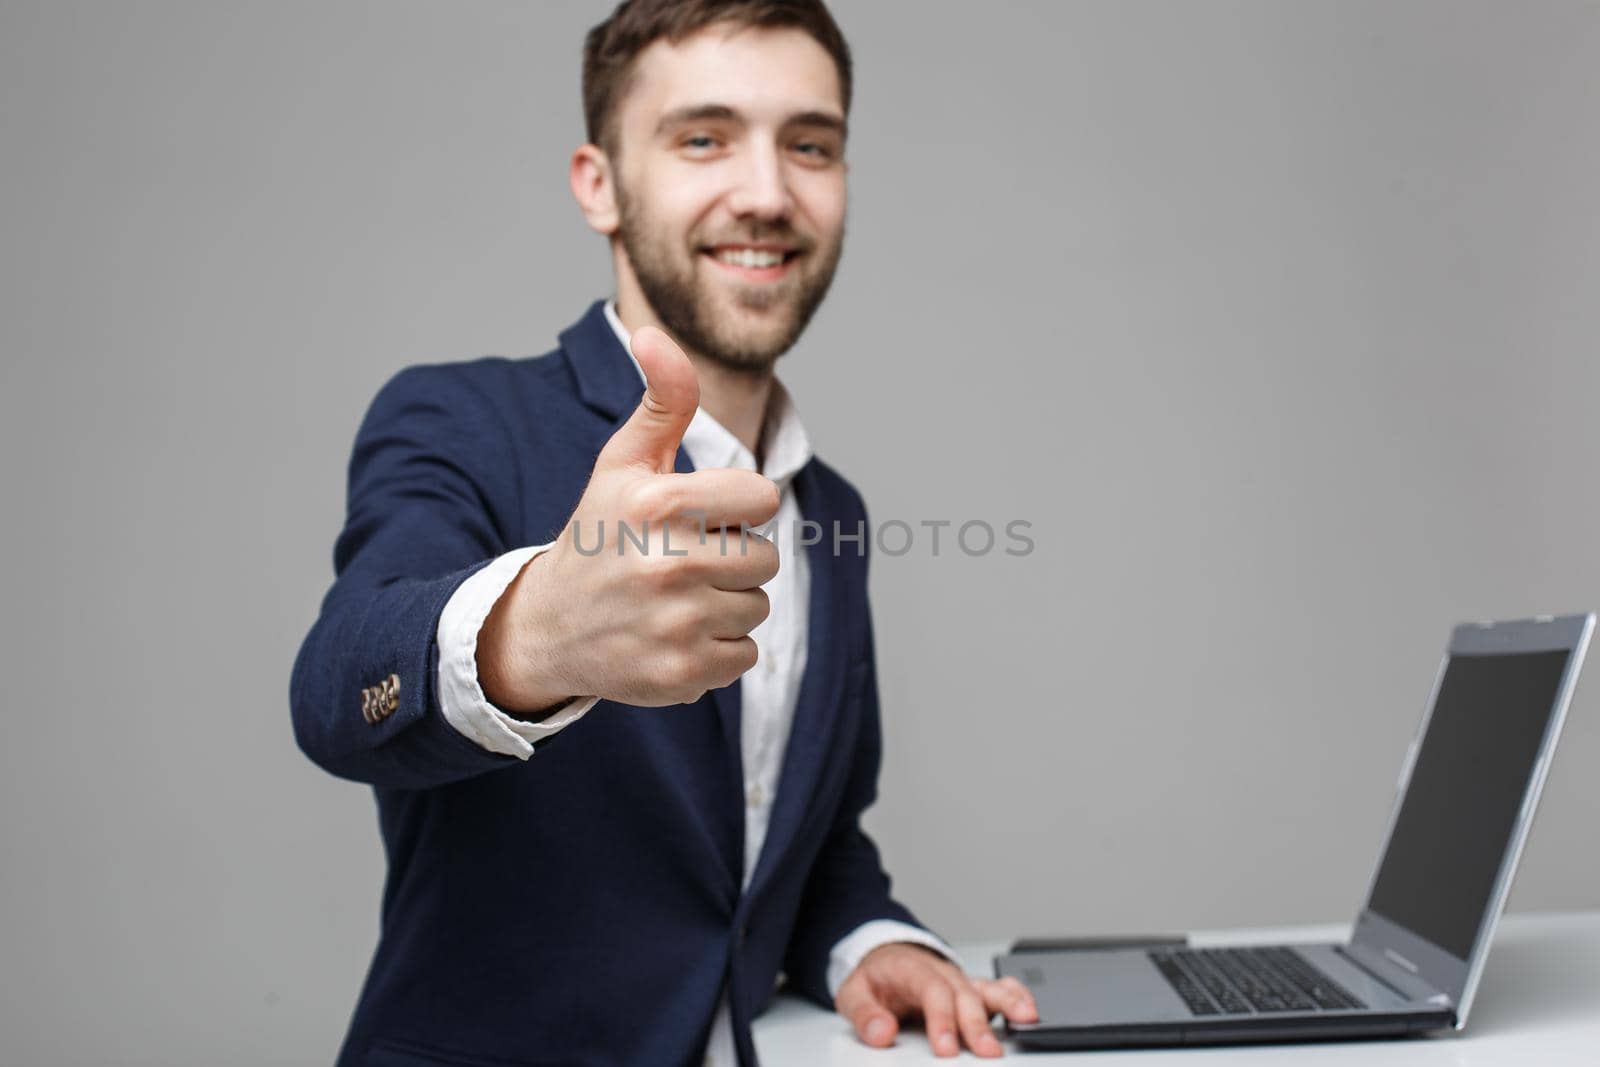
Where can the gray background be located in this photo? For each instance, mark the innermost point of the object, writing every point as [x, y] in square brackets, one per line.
[1277, 320]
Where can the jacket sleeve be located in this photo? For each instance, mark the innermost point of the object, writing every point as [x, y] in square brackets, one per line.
[847, 885]
[433, 492]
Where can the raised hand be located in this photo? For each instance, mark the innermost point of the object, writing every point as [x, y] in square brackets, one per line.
[597, 615]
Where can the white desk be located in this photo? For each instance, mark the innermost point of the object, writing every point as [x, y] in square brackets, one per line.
[1538, 1006]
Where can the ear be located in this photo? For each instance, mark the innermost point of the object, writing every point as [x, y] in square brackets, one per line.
[594, 188]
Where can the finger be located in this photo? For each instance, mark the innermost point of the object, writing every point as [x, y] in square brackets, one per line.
[735, 614]
[1010, 998]
[874, 1023]
[710, 499]
[725, 560]
[939, 1017]
[973, 1018]
[683, 676]
[731, 658]
[748, 562]
[651, 436]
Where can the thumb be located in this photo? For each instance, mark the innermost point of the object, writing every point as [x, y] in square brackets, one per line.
[652, 433]
[875, 1024]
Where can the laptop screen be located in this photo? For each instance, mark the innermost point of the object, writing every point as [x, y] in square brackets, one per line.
[1466, 790]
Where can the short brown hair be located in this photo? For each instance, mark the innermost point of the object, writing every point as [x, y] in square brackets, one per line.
[612, 46]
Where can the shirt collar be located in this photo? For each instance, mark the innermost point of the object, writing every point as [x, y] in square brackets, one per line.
[785, 444]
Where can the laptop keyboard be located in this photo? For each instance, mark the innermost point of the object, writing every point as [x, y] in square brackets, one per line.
[1241, 981]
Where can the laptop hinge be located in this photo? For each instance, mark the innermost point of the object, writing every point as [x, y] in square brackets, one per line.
[1393, 971]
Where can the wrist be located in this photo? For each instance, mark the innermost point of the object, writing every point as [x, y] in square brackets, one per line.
[515, 670]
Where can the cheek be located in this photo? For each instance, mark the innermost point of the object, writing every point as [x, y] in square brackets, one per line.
[676, 205]
[823, 202]
[688, 198]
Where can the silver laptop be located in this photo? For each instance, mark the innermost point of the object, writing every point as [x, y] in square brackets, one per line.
[1467, 793]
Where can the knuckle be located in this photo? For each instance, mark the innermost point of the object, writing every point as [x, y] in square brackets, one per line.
[657, 571]
[653, 498]
[698, 564]
[907, 968]
[677, 673]
[677, 622]
[648, 578]
[721, 557]
[654, 405]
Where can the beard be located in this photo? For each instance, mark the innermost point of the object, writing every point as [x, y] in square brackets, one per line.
[685, 300]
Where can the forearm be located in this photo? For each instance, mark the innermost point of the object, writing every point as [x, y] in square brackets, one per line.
[365, 636]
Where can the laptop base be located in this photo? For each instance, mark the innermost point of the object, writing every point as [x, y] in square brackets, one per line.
[1366, 1026]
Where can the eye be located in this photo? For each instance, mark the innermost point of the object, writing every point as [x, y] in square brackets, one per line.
[700, 141]
[814, 150]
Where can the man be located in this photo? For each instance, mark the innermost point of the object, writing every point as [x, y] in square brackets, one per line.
[539, 561]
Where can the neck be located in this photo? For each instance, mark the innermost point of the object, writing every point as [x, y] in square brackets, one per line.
[735, 398]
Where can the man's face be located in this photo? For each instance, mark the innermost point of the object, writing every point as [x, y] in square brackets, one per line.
[730, 188]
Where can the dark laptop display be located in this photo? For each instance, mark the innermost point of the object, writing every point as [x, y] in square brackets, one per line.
[1466, 790]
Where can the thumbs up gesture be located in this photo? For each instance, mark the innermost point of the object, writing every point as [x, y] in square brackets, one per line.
[649, 627]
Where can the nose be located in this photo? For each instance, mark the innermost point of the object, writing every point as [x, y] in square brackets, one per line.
[761, 189]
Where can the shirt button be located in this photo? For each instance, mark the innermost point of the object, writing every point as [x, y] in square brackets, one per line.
[754, 795]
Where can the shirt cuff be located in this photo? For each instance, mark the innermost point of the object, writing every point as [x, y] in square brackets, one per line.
[460, 695]
[854, 946]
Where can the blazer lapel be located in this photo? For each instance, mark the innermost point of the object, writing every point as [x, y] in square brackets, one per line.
[729, 705]
[607, 379]
[821, 685]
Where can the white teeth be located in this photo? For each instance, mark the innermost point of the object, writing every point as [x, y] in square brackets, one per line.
[749, 257]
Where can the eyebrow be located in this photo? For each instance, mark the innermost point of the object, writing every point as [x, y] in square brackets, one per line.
[704, 112]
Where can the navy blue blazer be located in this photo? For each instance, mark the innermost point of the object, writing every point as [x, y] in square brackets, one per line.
[583, 906]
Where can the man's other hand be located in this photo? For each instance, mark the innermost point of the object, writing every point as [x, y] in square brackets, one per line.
[901, 981]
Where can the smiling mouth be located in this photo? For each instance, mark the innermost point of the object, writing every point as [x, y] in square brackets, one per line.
[754, 263]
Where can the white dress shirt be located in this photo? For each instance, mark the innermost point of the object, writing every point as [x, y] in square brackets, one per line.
[768, 691]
